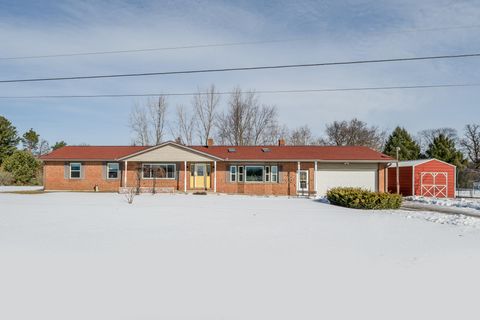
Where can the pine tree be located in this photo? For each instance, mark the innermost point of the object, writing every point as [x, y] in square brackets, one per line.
[23, 166]
[30, 140]
[59, 144]
[409, 149]
[443, 148]
[8, 138]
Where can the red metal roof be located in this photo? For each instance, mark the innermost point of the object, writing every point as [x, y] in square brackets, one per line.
[332, 153]
[91, 152]
[327, 153]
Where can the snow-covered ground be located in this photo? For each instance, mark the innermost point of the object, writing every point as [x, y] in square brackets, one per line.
[20, 188]
[457, 202]
[93, 256]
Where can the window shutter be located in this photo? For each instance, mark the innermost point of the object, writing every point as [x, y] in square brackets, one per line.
[82, 171]
[66, 170]
[281, 174]
[104, 170]
[227, 175]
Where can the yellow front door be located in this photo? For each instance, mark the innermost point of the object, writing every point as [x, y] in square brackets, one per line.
[200, 176]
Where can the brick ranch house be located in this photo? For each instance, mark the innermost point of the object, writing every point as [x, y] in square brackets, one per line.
[256, 170]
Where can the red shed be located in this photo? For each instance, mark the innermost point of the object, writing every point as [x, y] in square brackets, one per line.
[426, 177]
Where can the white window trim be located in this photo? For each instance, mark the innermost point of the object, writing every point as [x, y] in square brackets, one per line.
[254, 166]
[118, 171]
[234, 174]
[243, 175]
[160, 164]
[274, 174]
[79, 171]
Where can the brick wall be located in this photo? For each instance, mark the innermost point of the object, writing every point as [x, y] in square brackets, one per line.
[285, 186]
[93, 174]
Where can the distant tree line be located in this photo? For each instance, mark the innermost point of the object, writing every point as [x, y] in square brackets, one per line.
[241, 119]
[21, 165]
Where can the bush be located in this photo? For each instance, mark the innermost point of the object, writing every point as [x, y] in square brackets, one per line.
[363, 199]
[6, 178]
[23, 166]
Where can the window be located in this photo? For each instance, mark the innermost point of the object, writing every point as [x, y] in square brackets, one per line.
[233, 173]
[113, 169]
[254, 173]
[267, 174]
[274, 171]
[240, 174]
[158, 171]
[75, 170]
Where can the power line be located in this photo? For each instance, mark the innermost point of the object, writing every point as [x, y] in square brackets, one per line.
[210, 45]
[286, 66]
[214, 45]
[230, 92]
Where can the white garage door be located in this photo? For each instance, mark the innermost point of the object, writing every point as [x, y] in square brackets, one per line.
[359, 175]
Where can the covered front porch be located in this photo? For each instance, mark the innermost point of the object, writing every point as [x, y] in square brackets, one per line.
[169, 168]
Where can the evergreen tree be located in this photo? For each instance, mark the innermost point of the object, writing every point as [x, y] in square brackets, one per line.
[23, 166]
[443, 148]
[8, 138]
[409, 149]
[30, 140]
[59, 144]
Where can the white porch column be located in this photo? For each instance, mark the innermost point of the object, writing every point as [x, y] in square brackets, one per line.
[315, 179]
[125, 172]
[215, 176]
[298, 176]
[185, 176]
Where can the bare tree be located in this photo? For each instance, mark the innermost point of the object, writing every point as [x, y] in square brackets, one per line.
[158, 113]
[301, 136]
[43, 147]
[264, 124]
[184, 125]
[425, 137]
[278, 132]
[130, 195]
[354, 132]
[234, 125]
[471, 143]
[139, 125]
[148, 121]
[205, 105]
[246, 122]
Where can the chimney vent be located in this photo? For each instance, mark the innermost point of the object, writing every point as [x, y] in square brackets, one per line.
[209, 142]
[281, 142]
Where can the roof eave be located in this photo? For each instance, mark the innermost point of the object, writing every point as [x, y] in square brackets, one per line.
[169, 143]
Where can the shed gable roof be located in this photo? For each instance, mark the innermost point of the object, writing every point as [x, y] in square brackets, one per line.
[413, 163]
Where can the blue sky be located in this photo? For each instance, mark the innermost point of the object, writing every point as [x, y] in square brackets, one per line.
[332, 31]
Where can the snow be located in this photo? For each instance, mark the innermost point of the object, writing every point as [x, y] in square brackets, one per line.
[448, 202]
[93, 256]
[20, 188]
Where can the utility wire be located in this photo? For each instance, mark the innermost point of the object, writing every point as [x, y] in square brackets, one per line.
[286, 66]
[214, 45]
[230, 92]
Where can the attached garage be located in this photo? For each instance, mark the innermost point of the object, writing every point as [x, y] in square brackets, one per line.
[426, 177]
[358, 175]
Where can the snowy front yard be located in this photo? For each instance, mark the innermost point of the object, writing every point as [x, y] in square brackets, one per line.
[93, 256]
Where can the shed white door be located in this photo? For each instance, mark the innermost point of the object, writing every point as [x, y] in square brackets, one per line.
[358, 175]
